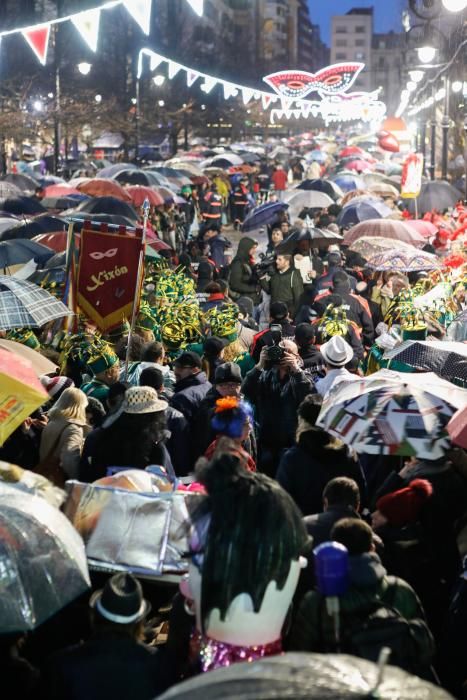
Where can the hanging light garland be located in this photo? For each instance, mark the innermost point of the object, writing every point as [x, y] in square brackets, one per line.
[87, 23]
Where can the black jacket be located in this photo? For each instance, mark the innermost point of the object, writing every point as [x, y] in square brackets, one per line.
[319, 525]
[243, 280]
[313, 361]
[264, 338]
[354, 308]
[188, 394]
[276, 403]
[306, 468]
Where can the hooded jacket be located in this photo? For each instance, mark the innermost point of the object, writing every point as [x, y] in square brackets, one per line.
[188, 394]
[242, 279]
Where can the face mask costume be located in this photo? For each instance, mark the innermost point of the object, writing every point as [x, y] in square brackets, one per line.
[247, 538]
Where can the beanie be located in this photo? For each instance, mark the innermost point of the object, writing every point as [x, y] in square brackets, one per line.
[55, 386]
[404, 506]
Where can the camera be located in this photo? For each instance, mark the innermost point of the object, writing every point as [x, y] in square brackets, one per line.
[265, 266]
[275, 352]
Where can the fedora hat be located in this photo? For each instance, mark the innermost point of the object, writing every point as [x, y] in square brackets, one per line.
[142, 399]
[121, 600]
[336, 352]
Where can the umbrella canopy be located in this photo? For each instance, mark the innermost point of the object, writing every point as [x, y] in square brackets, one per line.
[20, 206]
[327, 186]
[167, 194]
[384, 189]
[425, 228]
[29, 229]
[263, 215]
[370, 246]
[100, 187]
[44, 557]
[20, 393]
[225, 160]
[348, 182]
[301, 676]
[109, 205]
[25, 305]
[40, 364]
[8, 190]
[317, 156]
[112, 170]
[115, 219]
[19, 252]
[317, 235]
[437, 194]
[356, 211]
[53, 275]
[56, 241]
[24, 182]
[393, 413]
[351, 151]
[139, 193]
[63, 203]
[137, 177]
[447, 359]
[457, 428]
[404, 261]
[299, 199]
[60, 190]
[359, 165]
[385, 228]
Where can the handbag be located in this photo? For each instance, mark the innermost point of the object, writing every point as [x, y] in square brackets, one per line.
[49, 466]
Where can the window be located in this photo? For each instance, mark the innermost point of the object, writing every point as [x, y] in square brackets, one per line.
[360, 42]
[359, 29]
[341, 56]
[341, 30]
[381, 63]
[359, 56]
[341, 42]
[382, 44]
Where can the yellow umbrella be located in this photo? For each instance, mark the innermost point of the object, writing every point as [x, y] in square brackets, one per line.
[20, 392]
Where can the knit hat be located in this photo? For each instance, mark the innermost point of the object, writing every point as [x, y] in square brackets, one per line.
[55, 386]
[404, 506]
[229, 372]
[142, 399]
[278, 310]
[336, 352]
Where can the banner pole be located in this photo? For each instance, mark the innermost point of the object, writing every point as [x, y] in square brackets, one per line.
[139, 279]
[70, 283]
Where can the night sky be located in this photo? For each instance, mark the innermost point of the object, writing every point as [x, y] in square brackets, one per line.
[387, 13]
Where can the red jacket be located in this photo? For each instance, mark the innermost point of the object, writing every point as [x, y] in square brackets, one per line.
[279, 179]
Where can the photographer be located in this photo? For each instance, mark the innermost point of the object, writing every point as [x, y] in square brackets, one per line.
[276, 387]
[285, 284]
[278, 314]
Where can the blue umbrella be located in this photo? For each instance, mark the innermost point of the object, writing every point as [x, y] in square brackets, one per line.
[263, 215]
[354, 213]
[18, 252]
[349, 182]
[316, 155]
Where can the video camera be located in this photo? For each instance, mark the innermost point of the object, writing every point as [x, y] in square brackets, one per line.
[265, 266]
[275, 352]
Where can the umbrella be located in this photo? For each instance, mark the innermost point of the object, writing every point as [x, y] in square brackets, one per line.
[317, 235]
[351, 151]
[348, 182]
[437, 194]
[384, 189]
[7, 222]
[385, 228]
[139, 193]
[20, 206]
[359, 165]
[317, 156]
[356, 211]
[393, 413]
[404, 261]
[225, 160]
[263, 215]
[63, 203]
[53, 275]
[109, 205]
[138, 177]
[327, 186]
[43, 560]
[447, 359]
[100, 187]
[299, 199]
[40, 364]
[20, 393]
[167, 194]
[57, 260]
[425, 228]
[56, 241]
[24, 182]
[116, 168]
[41, 224]
[25, 305]
[457, 428]
[60, 190]
[370, 246]
[301, 676]
[19, 252]
[8, 190]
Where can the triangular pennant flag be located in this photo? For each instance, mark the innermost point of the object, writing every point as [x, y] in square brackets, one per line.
[247, 95]
[87, 23]
[297, 113]
[230, 90]
[305, 107]
[155, 60]
[266, 100]
[140, 10]
[209, 83]
[191, 76]
[286, 103]
[197, 6]
[287, 113]
[38, 39]
[173, 69]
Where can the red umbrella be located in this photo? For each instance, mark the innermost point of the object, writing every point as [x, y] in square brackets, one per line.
[359, 165]
[101, 187]
[425, 228]
[165, 193]
[384, 228]
[56, 240]
[199, 180]
[457, 428]
[139, 193]
[60, 191]
[350, 151]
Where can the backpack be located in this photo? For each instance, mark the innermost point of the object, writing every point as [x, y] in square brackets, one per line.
[365, 632]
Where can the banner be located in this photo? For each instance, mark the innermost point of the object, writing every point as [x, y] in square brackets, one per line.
[411, 176]
[107, 276]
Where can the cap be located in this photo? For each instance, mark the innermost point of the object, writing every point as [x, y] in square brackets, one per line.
[229, 372]
[188, 359]
[278, 310]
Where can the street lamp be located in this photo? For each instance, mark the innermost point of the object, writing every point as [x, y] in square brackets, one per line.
[457, 86]
[84, 68]
[416, 75]
[426, 54]
[98, 98]
[454, 5]
[158, 80]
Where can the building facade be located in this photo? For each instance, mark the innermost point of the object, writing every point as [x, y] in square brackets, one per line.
[351, 40]
[387, 60]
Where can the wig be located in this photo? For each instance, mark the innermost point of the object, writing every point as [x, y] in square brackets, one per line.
[255, 531]
[230, 415]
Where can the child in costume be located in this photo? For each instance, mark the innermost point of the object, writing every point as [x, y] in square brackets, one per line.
[233, 418]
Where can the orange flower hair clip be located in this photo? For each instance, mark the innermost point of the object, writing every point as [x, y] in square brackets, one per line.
[226, 404]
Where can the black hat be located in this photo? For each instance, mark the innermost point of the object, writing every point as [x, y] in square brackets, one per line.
[278, 310]
[188, 359]
[305, 334]
[228, 372]
[121, 600]
[213, 346]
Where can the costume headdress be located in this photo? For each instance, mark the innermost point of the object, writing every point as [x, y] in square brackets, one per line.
[230, 415]
[221, 321]
[25, 336]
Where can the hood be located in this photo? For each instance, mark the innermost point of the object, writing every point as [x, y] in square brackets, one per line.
[367, 576]
[244, 247]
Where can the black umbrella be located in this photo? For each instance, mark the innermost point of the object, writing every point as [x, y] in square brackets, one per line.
[20, 206]
[114, 219]
[22, 251]
[62, 202]
[320, 185]
[49, 275]
[41, 224]
[57, 260]
[317, 236]
[26, 183]
[437, 194]
[137, 177]
[108, 205]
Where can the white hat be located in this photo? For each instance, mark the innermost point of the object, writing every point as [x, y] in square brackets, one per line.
[142, 399]
[336, 352]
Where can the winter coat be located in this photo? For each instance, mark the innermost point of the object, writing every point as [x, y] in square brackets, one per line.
[218, 245]
[243, 280]
[178, 442]
[64, 438]
[356, 309]
[286, 287]
[276, 402]
[188, 394]
[369, 584]
[325, 282]
[306, 468]
[313, 361]
[319, 525]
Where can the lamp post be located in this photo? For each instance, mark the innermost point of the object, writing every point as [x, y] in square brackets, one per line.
[432, 167]
[445, 129]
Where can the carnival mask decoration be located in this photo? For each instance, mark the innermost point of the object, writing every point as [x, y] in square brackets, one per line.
[331, 80]
[246, 545]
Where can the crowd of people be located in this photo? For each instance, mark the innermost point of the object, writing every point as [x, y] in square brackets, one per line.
[236, 354]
